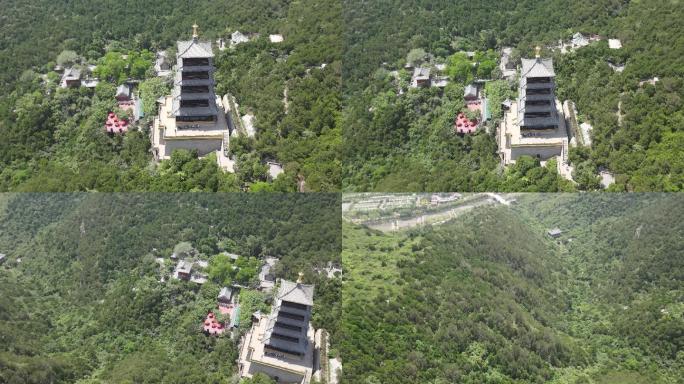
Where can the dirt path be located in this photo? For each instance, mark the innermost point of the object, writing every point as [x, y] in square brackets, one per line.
[619, 112]
[286, 102]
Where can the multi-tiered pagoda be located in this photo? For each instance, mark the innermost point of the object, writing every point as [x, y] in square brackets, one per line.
[289, 323]
[190, 118]
[537, 95]
[534, 124]
[281, 345]
[194, 99]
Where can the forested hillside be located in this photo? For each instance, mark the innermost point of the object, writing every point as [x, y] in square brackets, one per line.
[407, 141]
[35, 32]
[53, 139]
[490, 298]
[81, 297]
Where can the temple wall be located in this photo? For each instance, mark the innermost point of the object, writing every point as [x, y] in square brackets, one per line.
[203, 147]
[284, 377]
[545, 152]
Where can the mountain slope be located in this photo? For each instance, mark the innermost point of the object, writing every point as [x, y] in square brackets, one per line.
[81, 298]
[489, 298]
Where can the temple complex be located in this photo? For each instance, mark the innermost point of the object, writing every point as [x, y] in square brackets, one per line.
[281, 345]
[534, 124]
[192, 117]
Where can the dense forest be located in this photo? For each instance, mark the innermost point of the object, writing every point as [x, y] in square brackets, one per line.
[490, 298]
[53, 140]
[81, 297]
[406, 142]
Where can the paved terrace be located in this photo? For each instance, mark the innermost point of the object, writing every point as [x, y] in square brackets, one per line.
[185, 130]
[533, 138]
[253, 357]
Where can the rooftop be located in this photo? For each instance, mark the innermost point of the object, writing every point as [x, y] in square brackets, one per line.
[554, 232]
[226, 293]
[276, 38]
[274, 169]
[421, 73]
[296, 292]
[232, 256]
[238, 37]
[72, 74]
[184, 266]
[470, 91]
[537, 67]
[194, 49]
[123, 90]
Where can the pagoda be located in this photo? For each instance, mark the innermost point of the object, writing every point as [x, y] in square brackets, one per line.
[192, 117]
[281, 345]
[194, 99]
[534, 124]
[537, 99]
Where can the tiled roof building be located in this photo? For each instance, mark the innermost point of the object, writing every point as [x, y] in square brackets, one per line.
[193, 93]
[536, 100]
[281, 345]
[289, 323]
[192, 118]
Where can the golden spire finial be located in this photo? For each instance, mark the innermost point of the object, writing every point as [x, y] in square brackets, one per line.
[300, 279]
[538, 51]
[194, 31]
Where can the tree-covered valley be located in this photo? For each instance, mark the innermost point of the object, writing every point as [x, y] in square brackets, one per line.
[53, 138]
[85, 292]
[490, 297]
[406, 141]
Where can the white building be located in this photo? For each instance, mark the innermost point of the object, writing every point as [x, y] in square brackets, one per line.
[507, 66]
[238, 37]
[71, 78]
[162, 66]
[274, 169]
[421, 77]
[579, 41]
[276, 38]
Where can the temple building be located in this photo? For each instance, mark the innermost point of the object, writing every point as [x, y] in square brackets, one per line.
[192, 117]
[281, 345]
[536, 100]
[534, 124]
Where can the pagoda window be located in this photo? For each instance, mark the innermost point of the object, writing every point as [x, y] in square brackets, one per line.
[538, 80]
[195, 118]
[203, 75]
[284, 350]
[195, 89]
[279, 324]
[540, 91]
[532, 115]
[284, 337]
[292, 316]
[539, 127]
[195, 62]
[538, 102]
[194, 103]
[290, 304]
